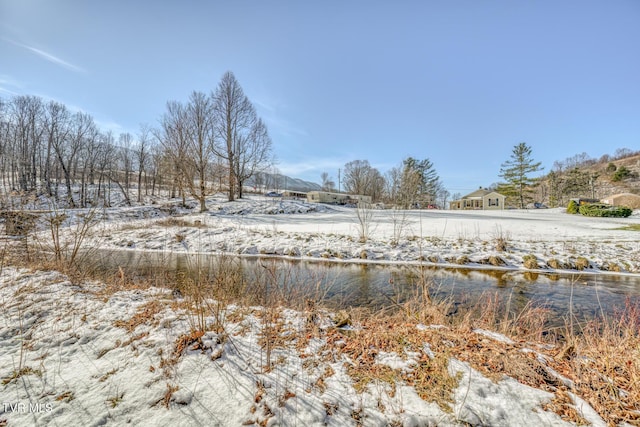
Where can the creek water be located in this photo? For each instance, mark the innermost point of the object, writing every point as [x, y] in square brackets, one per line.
[342, 285]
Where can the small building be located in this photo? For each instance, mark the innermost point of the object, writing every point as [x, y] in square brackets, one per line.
[337, 198]
[294, 194]
[480, 199]
[629, 200]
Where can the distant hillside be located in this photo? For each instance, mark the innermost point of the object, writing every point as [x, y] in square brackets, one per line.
[607, 186]
[581, 176]
[268, 181]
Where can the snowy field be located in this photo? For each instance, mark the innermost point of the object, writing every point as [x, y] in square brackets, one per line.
[476, 239]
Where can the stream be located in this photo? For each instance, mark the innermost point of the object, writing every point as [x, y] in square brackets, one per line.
[342, 285]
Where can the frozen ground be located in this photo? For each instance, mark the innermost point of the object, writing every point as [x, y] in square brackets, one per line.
[73, 355]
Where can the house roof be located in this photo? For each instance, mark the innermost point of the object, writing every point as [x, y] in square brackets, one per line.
[480, 193]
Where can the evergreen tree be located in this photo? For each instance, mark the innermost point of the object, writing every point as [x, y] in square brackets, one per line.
[418, 184]
[516, 172]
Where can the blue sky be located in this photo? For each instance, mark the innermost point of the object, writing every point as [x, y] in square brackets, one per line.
[460, 82]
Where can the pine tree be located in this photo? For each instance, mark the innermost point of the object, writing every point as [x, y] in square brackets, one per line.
[516, 171]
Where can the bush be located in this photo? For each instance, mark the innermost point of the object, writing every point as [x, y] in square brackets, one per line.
[622, 173]
[611, 167]
[602, 210]
[572, 207]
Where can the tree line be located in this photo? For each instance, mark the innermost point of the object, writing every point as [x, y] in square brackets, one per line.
[413, 183]
[211, 142]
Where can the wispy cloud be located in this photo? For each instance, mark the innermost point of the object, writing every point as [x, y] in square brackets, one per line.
[272, 113]
[48, 56]
[330, 165]
[7, 82]
[7, 91]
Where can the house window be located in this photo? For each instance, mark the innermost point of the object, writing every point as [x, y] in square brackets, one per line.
[493, 202]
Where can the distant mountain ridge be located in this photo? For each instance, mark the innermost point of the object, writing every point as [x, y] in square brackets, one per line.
[278, 182]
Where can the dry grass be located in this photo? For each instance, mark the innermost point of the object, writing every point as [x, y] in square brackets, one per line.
[188, 342]
[582, 263]
[179, 222]
[530, 261]
[377, 334]
[26, 370]
[501, 240]
[605, 365]
[144, 315]
[166, 399]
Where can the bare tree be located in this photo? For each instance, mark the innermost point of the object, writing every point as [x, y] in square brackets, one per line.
[199, 145]
[4, 140]
[442, 195]
[188, 138]
[364, 221]
[104, 163]
[28, 130]
[173, 138]
[57, 124]
[122, 175]
[328, 184]
[393, 178]
[141, 152]
[67, 149]
[243, 141]
[87, 159]
[253, 154]
[361, 178]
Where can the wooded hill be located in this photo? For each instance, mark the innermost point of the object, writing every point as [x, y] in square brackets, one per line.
[584, 177]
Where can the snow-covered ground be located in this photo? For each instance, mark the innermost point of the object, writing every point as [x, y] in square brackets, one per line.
[261, 226]
[72, 355]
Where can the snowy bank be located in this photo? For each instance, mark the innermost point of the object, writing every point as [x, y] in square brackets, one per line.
[72, 354]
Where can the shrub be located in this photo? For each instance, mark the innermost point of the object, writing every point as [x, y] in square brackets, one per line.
[602, 210]
[622, 173]
[572, 207]
[611, 167]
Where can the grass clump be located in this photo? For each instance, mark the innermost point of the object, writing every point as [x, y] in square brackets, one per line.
[501, 239]
[630, 227]
[26, 370]
[530, 261]
[555, 264]
[144, 315]
[582, 263]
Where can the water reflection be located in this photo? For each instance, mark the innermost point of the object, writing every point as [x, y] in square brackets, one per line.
[377, 287]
